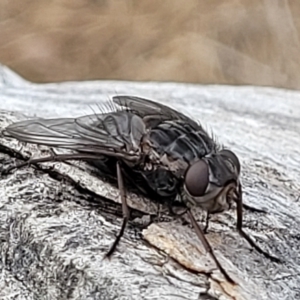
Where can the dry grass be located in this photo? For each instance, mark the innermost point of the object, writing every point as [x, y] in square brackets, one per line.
[232, 42]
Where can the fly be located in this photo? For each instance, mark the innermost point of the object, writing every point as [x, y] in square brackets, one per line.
[164, 153]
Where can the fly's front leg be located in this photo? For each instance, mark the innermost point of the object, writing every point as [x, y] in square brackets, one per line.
[125, 210]
[207, 246]
[205, 229]
[254, 209]
[242, 233]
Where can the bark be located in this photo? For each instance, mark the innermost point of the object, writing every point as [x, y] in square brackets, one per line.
[59, 219]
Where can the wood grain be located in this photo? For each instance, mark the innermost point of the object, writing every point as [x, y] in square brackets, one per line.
[54, 232]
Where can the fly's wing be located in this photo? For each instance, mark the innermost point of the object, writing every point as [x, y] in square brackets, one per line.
[112, 133]
[171, 125]
[152, 112]
[51, 132]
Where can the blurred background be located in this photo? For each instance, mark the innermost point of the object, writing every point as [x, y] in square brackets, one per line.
[236, 42]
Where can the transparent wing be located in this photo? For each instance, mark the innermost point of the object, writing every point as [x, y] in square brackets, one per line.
[151, 111]
[51, 132]
[170, 126]
[115, 132]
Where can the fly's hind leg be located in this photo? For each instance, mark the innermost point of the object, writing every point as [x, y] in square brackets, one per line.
[53, 157]
[125, 211]
[30, 161]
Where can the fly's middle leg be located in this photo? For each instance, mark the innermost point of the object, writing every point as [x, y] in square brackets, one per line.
[125, 211]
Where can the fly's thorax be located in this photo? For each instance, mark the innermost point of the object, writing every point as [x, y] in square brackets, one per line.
[212, 182]
[161, 160]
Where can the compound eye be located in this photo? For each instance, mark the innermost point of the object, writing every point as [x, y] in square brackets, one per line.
[197, 178]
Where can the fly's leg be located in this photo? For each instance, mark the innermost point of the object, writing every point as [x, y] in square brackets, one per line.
[242, 233]
[175, 214]
[28, 163]
[52, 157]
[205, 229]
[125, 211]
[254, 209]
[207, 246]
[65, 157]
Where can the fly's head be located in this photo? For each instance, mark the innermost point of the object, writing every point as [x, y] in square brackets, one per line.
[213, 182]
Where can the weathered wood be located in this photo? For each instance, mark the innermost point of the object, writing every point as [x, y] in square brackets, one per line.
[53, 238]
